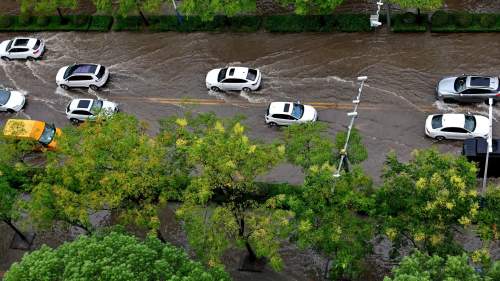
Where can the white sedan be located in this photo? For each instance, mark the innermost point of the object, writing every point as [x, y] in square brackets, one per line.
[288, 113]
[11, 101]
[22, 48]
[233, 79]
[79, 110]
[456, 126]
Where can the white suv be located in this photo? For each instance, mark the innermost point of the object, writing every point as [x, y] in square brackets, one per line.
[288, 113]
[88, 109]
[91, 76]
[233, 79]
[11, 101]
[22, 48]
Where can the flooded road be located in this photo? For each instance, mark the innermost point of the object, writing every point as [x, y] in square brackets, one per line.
[157, 75]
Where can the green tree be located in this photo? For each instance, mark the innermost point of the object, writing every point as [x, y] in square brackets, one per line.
[125, 7]
[14, 177]
[489, 215]
[421, 267]
[303, 7]
[47, 7]
[220, 209]
[207, 10]
[111, 257]
[422, 203]
[330, 212]
[108, 164]
[419, 4]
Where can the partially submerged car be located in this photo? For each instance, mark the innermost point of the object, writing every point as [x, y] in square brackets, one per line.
[92, 76]
[468, 88]
[88, 109]
[22, 48]
[288, 113]
[233, 79]
[39, 131]
[456, 126]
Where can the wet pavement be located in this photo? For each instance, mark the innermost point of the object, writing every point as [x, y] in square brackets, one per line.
[155, 75]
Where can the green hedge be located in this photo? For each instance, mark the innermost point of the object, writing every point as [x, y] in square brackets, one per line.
[464, 22]
[409, 22]
[54, 23]
[318, 23]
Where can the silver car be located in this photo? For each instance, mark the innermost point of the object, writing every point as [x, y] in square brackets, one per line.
[468, 88]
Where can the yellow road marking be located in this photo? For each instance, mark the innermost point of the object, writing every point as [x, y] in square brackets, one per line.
[317, 104]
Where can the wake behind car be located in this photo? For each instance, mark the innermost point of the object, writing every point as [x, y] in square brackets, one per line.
[233, 79]
[468, 88]
[11, 101]
[91, 76]
[88, 109]
[22, 48]
[288, 113]
[456, 126]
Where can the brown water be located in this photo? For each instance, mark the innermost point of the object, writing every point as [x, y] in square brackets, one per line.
[159, 74]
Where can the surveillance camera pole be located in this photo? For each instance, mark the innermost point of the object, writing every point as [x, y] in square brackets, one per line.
[353, 115]
[490, 143]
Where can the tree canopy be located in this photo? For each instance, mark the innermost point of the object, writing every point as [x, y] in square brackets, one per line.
[103, 165]
[111, 257]
[421, 4]
[220, 209]
[303, 7]
[421, 203]
[207, 10]
[46, 6]
[422, 267]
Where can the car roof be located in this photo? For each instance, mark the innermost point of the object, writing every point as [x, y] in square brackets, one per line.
[482, 82]
[81, 104]
[24, 42]
[280, 107]
[24, 128]
[453, 120]
[237, 72]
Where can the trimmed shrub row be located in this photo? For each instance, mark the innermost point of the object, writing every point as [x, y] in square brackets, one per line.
[55, 23]
[282, 23]
[409, 22]
[464, 22]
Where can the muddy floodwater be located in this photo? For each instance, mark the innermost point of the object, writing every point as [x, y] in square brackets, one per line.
[155, 75]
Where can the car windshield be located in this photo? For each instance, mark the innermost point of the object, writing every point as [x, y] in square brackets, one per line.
[9, 45]
[101, 72]
[48, 134]
[470, 123]
[437, 121]
[298, 110]
[69, 71]
[96, 106]
[222, 74]
[4, 97]
[37, 44]
[460, 84]
[252, 74]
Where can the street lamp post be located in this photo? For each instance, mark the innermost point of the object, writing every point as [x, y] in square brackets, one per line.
[353, 115]
[490, 143]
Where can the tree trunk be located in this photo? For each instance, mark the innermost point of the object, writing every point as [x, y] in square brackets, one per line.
[252, 257]
[418, 15]
[144, 19]
[388, 16]
[9, 223]
[159, 235]
[60, 14]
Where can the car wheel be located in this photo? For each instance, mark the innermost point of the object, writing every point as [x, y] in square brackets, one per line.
[215, 89]
[64, 87]
[6, 58]
[246, 90]
[74, 121]
[272, 124]
[440, 138]
[10, 110]
[448, 100]
[31, 58]
[94, 87]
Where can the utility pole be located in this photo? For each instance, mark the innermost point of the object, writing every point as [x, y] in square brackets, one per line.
[353, 115]
[490, 143]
